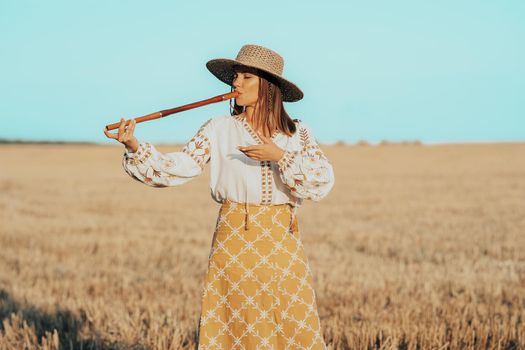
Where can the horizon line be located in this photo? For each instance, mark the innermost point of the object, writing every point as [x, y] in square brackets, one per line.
[361, 142]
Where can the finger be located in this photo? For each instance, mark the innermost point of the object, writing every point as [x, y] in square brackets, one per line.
[122, 125]
[122, 129]
[251, 148]
[247, 152]
[129, 130]
[110, 135]
[133, 123]
[253, 154]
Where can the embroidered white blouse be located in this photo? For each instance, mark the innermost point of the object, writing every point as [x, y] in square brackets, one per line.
[303, 172]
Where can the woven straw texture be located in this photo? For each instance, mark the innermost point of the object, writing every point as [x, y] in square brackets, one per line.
[258, 290]
[259, 57]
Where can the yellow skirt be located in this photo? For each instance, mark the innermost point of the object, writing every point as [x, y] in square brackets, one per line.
[258, 290]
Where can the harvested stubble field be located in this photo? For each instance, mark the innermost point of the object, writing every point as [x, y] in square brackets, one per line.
[417, 246]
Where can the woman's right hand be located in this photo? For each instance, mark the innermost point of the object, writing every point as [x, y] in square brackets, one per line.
[125, 135]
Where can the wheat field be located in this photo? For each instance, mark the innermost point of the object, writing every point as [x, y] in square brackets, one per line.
[416, 247]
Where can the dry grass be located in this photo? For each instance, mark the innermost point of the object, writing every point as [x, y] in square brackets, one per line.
[416, 247]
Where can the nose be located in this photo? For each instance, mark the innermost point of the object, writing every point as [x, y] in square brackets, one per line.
[236, 82]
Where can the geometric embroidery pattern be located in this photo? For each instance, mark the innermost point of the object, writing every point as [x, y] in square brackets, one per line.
[267, 180]
[258, 291]
[266, 166]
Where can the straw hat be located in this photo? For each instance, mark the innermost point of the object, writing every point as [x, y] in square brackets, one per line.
[261, 58]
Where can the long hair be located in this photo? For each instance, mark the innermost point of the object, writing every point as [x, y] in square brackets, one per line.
[269, 100]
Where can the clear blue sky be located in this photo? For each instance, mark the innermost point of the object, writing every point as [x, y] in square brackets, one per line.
[436, 71]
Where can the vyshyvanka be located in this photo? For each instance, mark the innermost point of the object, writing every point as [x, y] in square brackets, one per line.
[258, 291]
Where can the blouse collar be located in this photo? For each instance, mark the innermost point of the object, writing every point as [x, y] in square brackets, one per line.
[252, 132]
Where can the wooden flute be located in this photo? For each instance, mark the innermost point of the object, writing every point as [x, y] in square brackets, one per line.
[166, 112]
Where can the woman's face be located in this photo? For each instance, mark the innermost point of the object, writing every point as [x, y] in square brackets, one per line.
[247, 83]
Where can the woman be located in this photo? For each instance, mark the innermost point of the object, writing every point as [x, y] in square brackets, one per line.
[258, 289]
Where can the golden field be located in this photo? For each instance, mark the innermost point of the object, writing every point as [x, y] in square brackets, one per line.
[416, 247]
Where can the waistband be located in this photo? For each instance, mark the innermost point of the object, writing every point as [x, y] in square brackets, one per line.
[227, 202]
[293, 221]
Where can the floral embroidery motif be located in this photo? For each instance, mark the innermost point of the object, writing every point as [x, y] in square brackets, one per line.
[198, 148]
[306, 171]
[312, 148]
[287, 160]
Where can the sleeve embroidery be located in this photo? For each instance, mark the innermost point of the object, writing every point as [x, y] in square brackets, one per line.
[287, 160]
[142, 154]
[198, 148]
[157, 169]
[307, 172]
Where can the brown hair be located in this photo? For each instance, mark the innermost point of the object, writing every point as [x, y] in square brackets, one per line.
[269, 100]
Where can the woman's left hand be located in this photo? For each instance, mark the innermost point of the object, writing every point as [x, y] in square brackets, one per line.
[267, 151]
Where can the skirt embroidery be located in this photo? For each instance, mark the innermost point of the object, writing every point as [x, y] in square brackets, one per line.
[258, 291]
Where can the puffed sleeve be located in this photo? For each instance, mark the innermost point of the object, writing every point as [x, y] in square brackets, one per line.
[158, 169]
[307, 172]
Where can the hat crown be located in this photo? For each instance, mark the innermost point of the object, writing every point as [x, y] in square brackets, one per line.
[261, 57]
[258, 57]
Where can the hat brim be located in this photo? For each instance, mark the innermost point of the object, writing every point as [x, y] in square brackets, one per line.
[222, 68]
